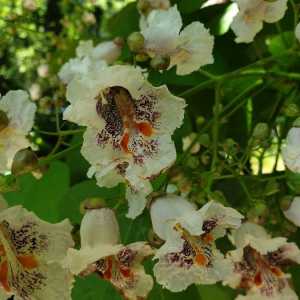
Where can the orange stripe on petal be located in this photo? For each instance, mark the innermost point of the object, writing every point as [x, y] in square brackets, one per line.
[3, 276]
[107, 272]
[208, 238]
[144, 128]
[258, 279]
[28, 261]
[124, 143]
[200, 259]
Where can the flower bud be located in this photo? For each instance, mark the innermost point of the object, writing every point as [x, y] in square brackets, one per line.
[89, 19]
[256, 143]
[285, 202]
[25, 160]
[272, 187]
[118, 63]
[119, 41]
[204, 140]
[154, 239]
[256, 191]
[184, 185]
[143, 5]
[30, 5]
[258, 212]
[141, 57]
[45, 102]
[4, 120]
[175, 173]
[193, 162]
[261, 131]
[205, 159]
[273, 219]
[297, 122]
[160, 62]
[135, 41]
[186, 141]
[92, 203]
[200, 120]
[291, 110]
[231, 147]
[266, 143]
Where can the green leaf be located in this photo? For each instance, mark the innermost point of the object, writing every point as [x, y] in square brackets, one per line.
[216, 292]
[44, 195]
[190, 6]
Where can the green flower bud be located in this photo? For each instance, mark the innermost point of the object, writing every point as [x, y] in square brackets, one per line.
[204, 140]
[92, 203]
[258, 212]
[266, 143]
[256, 143]
[261, 131]
[25, 160]
[184, 185]
[154, 239]
[143, 5]
[205, 159]
[4, 121]
[272, 187]
[160, 62]
[273, 219]
[297, 122]
[256, 191]
[231, 147]
[141, 57]
[45, 102]
[291, 110]
[285, 202]
[135, 41]
[119, 41]
[118, 63]
[192, 162]
[175, 173]
[200, 120]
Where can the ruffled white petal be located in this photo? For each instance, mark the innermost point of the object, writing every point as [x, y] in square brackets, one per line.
[293, 213]
[297, 32]
[275, 11]
[3, 204]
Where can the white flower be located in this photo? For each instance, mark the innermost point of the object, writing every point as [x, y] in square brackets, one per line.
[31, 252]
[190, 254]
[188, 140]
[130, 123]
[108, 51]
[89, 19]
[43, 70]
[291, 153]
[297, 32]
[102, 253]
[30, 4]
[249, 20]
[293, 213]
[82, 66]
[35, 91]
[259, 262]
[20, 111]
[189, 49]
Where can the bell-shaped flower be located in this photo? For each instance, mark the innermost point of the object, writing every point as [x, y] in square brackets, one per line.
[259, 262]
[102, 253]
[189, 49]
[130, 124]
[35, 91]
[189, 254]
[249, 20]
[20, 112]
[297, 32]
[291, 153]
[31, 251]
[293, 213]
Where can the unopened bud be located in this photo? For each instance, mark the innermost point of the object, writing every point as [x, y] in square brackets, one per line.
[256, 143]
[184, 185]
[256, 191]
[54, 81]
[119, 41]
[297, 122]
[258, 212]
[292, 110]
[175, 173]
[193, 162]
[160, 62]
[272, 187]
[266, 143]
[45, 102]
[4, 121]
[261, 131]
[205, 159]
[231, 147]
[200, 120]
[154, 239]
[204, 140]
[135, 41]
[141, 57]
[25, 160]
[143, 5]
[285, 202]
[92, 203]
[273, 219]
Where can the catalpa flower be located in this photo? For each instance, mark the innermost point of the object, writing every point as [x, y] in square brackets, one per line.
[189, 49]
[293, 213]
[31, 251]
[297, 32]
[20, 111]
[291, 153]
[102, 253]
[259, 262]
[189, 254]
[249, 20]
[130, 123]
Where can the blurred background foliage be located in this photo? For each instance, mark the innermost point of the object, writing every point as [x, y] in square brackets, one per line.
[49, 36]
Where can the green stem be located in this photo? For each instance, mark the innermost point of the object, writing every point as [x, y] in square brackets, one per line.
[281, 34]
[245, 189]
[119, 203]
[62, 133]
[207, 74]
